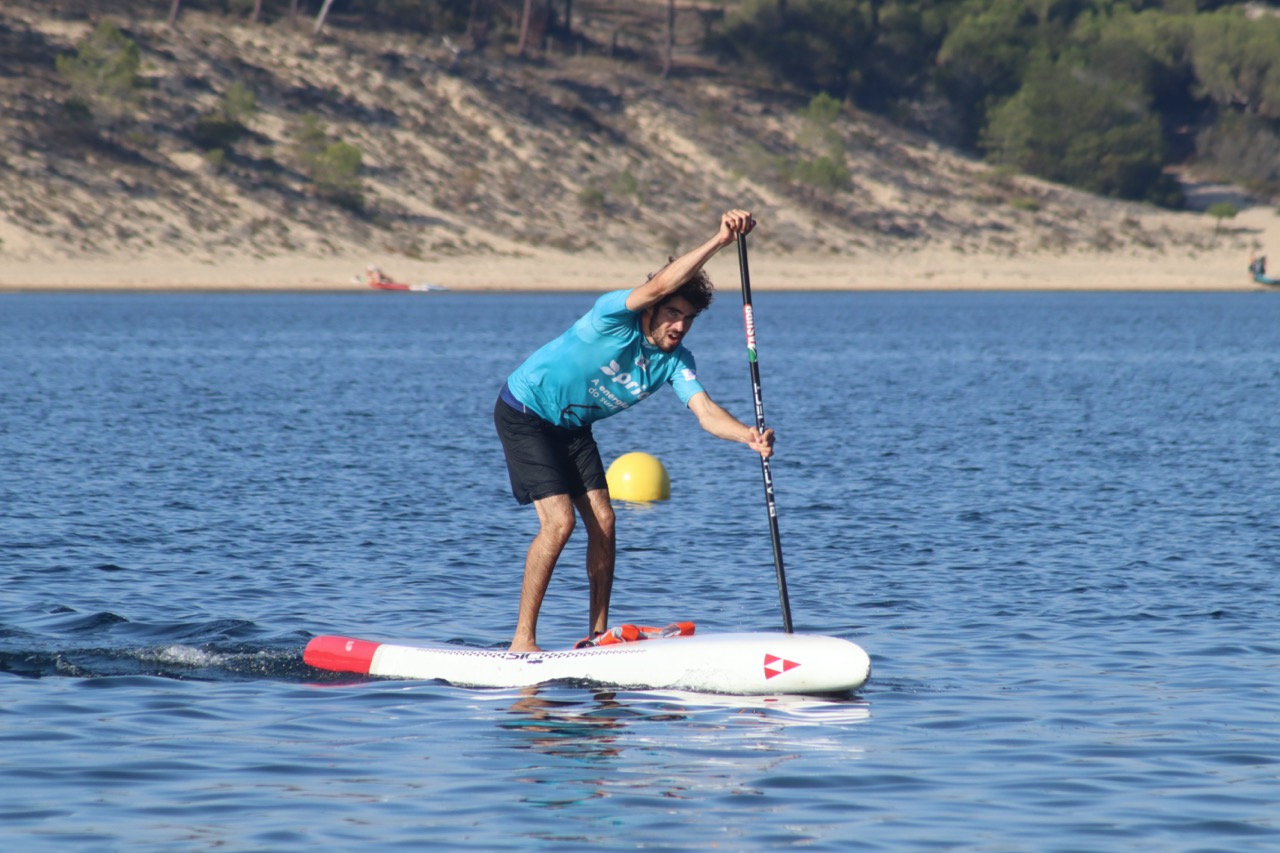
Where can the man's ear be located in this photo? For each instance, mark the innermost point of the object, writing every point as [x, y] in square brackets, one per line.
[646, 319]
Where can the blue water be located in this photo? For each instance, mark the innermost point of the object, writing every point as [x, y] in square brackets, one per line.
[1052, 519]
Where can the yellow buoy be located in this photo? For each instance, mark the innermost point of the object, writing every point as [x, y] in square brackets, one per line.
[638, 477]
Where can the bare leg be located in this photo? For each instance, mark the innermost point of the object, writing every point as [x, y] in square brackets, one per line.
[555, 515]
[597, 515]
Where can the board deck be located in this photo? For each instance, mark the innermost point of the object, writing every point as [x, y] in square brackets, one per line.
[742, 663]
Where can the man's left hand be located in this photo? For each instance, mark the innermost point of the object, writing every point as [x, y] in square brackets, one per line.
[762, 442]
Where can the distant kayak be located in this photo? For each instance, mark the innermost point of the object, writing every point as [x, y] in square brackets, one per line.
[395, 285]
[1263, 279]
[390, 284]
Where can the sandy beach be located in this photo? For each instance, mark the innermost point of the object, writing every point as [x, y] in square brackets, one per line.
[649, 167]
[927, 270]
[533, 270]
[1195, 253]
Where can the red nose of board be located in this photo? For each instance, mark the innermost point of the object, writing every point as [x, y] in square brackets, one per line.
[340, 654]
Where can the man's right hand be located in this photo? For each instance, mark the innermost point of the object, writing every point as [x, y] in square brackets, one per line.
[733, 223]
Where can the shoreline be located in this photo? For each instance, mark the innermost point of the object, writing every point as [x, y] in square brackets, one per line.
[532, 269]
[160, 214]
[542, 272]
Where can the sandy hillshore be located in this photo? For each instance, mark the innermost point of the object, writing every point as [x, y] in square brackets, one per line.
[591, 174]
[535, 270]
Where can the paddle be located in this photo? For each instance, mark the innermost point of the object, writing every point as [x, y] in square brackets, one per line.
[748, 316]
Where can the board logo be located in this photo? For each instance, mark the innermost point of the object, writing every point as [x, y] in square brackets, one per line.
[774, 665]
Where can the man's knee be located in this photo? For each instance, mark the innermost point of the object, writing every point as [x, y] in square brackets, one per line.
[599, 518]
[606, 520]
[558, 524]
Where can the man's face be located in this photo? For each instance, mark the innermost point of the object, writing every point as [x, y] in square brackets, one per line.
[670, 322]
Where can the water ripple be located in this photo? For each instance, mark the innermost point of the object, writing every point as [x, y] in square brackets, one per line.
[1051, 519]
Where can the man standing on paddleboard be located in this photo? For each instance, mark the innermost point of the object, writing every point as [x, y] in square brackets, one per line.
[624, 349]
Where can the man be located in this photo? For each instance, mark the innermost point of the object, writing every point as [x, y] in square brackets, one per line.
[623, 350]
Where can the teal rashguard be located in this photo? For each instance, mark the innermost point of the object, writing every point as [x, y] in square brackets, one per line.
[602, 365]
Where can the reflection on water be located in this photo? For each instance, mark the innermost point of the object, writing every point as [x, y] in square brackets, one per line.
[632, 738]
[564, 728]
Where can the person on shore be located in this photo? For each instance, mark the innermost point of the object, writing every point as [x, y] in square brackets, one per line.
[1258, 264]
[624, 349]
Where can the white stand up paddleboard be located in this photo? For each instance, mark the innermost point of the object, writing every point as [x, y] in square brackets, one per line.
[742, 664]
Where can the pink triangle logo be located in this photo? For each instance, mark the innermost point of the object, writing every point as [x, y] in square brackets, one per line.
[774, 665]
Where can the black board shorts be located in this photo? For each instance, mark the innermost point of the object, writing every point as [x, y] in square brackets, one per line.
[544, 459]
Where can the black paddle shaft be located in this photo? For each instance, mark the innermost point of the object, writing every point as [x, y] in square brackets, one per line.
[748, 316]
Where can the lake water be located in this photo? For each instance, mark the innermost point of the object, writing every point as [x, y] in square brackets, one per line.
[1053, 520]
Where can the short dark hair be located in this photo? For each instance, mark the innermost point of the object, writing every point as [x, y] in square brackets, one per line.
[697, 290]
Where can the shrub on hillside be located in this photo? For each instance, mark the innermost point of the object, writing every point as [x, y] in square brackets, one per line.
[103, 75]
[224, 125]
[828, 170]
[332, 167]
[1113, 145]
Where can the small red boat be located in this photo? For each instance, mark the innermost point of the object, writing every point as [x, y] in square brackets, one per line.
[378, 280]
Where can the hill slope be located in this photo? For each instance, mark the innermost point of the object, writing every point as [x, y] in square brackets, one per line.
[468, 155]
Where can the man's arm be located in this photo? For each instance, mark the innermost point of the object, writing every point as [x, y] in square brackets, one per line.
[668, 280]
[721, 424]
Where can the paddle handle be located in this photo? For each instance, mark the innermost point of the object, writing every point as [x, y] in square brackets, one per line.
[748, 316]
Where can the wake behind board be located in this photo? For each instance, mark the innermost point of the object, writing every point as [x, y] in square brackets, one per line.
[741, 664]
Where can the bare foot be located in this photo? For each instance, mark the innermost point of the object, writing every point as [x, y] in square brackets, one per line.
[524, 647]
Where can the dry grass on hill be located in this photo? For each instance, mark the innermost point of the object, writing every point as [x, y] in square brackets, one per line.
[488, 154]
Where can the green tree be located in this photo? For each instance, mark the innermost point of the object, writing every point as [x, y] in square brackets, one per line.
[814, 44]
[875, 53]
[1070, 125]
[1151, 49]
[1220, 211]
[985, 55]
[309, 138]
[989, 45]
[238, 103]
[1237, 61]
[1148, 53]
[224, 125]
[332, 167]
[828, 170]
[103, 74]
[336, 174]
